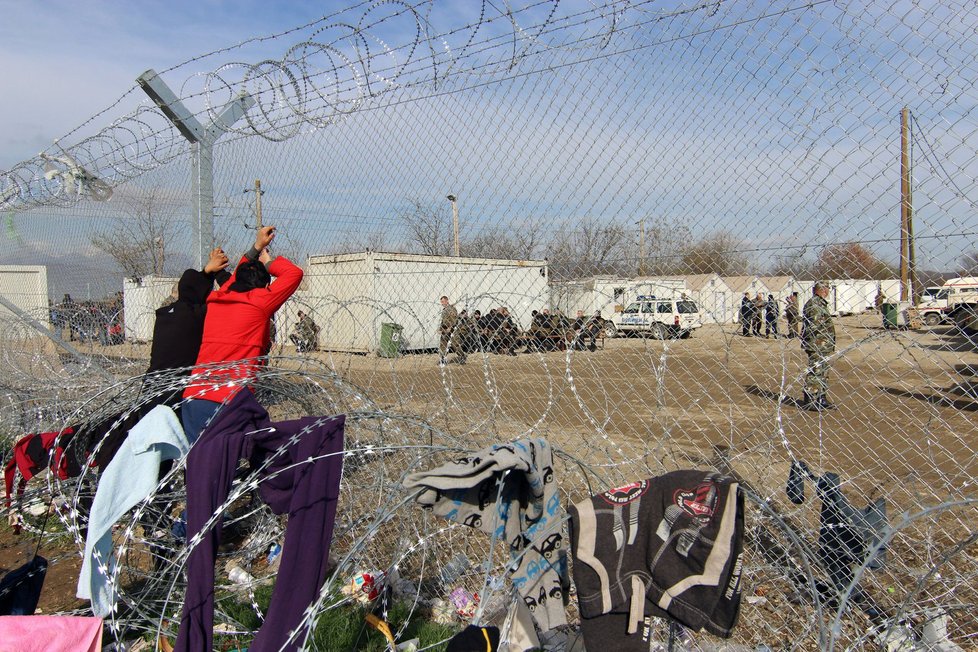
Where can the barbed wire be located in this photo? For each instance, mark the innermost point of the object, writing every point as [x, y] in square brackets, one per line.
[540, 111]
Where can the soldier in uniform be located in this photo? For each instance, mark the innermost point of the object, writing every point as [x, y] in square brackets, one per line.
[306, 335]
[446, 330]
[818, 341]
[592, 329]
[507, 335]
[465, 339]
[791, 314]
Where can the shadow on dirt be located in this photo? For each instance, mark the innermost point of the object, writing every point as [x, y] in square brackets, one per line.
[969, 390]
[754, 390]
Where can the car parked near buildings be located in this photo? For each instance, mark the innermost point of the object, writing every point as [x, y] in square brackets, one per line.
[659, 317]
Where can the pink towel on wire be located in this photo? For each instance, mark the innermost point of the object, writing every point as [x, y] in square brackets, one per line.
[50, 634]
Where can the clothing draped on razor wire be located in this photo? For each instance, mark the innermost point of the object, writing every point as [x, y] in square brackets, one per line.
[66, 451]
[670, 546]
[51, 633]
[528, 515]
[307, 492]
[20, 589]
[128, 479]
[847, 537]
[35, 452]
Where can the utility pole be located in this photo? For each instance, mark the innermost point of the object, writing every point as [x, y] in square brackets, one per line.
[258, 193]
[454, 201]
[160, 256]
[905, 227]
[641, 247]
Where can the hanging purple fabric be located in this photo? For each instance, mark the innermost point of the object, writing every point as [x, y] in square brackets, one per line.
[307, 493]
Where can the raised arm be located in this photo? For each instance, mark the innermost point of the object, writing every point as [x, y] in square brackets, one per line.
[216, 266]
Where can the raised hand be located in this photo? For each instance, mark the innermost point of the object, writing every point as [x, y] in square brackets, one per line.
[264, 238]
[217, 260]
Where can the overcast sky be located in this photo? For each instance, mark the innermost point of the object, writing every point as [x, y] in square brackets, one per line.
[65, 61]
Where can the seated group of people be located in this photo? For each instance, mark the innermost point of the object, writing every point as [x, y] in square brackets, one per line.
[551, 332]
[498, 332]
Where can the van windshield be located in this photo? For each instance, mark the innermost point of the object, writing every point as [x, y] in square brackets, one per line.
[686, 307]
[632, 308]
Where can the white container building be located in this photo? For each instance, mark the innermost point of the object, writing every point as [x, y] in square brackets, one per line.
[713, 297]
[740, 284]
[350, 296]
[610, 294]
[26, 288]
[140, 299]
[604, 293]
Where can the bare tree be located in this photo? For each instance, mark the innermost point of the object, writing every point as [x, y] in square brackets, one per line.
[139, 237]
[589, 248]
[794, 265]
[717, 253]
[969, 264]
[428, 229]
[850, 260]
[521, 243]
[665, 243]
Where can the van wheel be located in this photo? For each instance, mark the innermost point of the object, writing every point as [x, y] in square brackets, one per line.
[932, 319]
[610, 330]
[660, 332]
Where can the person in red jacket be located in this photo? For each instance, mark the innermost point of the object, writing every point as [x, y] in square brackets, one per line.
[236, 330]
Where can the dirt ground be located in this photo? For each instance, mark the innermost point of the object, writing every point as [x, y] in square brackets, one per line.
[905, 418]
[906, 398]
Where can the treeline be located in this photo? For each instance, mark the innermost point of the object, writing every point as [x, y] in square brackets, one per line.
[139, 241]
[586, 248]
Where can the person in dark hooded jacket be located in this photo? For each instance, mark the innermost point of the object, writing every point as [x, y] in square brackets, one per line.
[180, 324]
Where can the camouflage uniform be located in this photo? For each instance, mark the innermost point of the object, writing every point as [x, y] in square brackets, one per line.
[818, 341]
[791, 314]
[306, 337]
[449, 319]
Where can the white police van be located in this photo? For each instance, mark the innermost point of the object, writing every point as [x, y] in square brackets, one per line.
[660, 318]
[936, 303]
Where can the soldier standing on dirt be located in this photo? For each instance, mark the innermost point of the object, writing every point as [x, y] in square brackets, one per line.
[446, 330]
[818, 341]
[791, 314]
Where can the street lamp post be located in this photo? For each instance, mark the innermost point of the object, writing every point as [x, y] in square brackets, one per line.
[641, 247]
[454, 200]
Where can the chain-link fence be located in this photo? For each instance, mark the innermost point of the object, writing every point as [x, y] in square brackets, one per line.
[627, 205]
